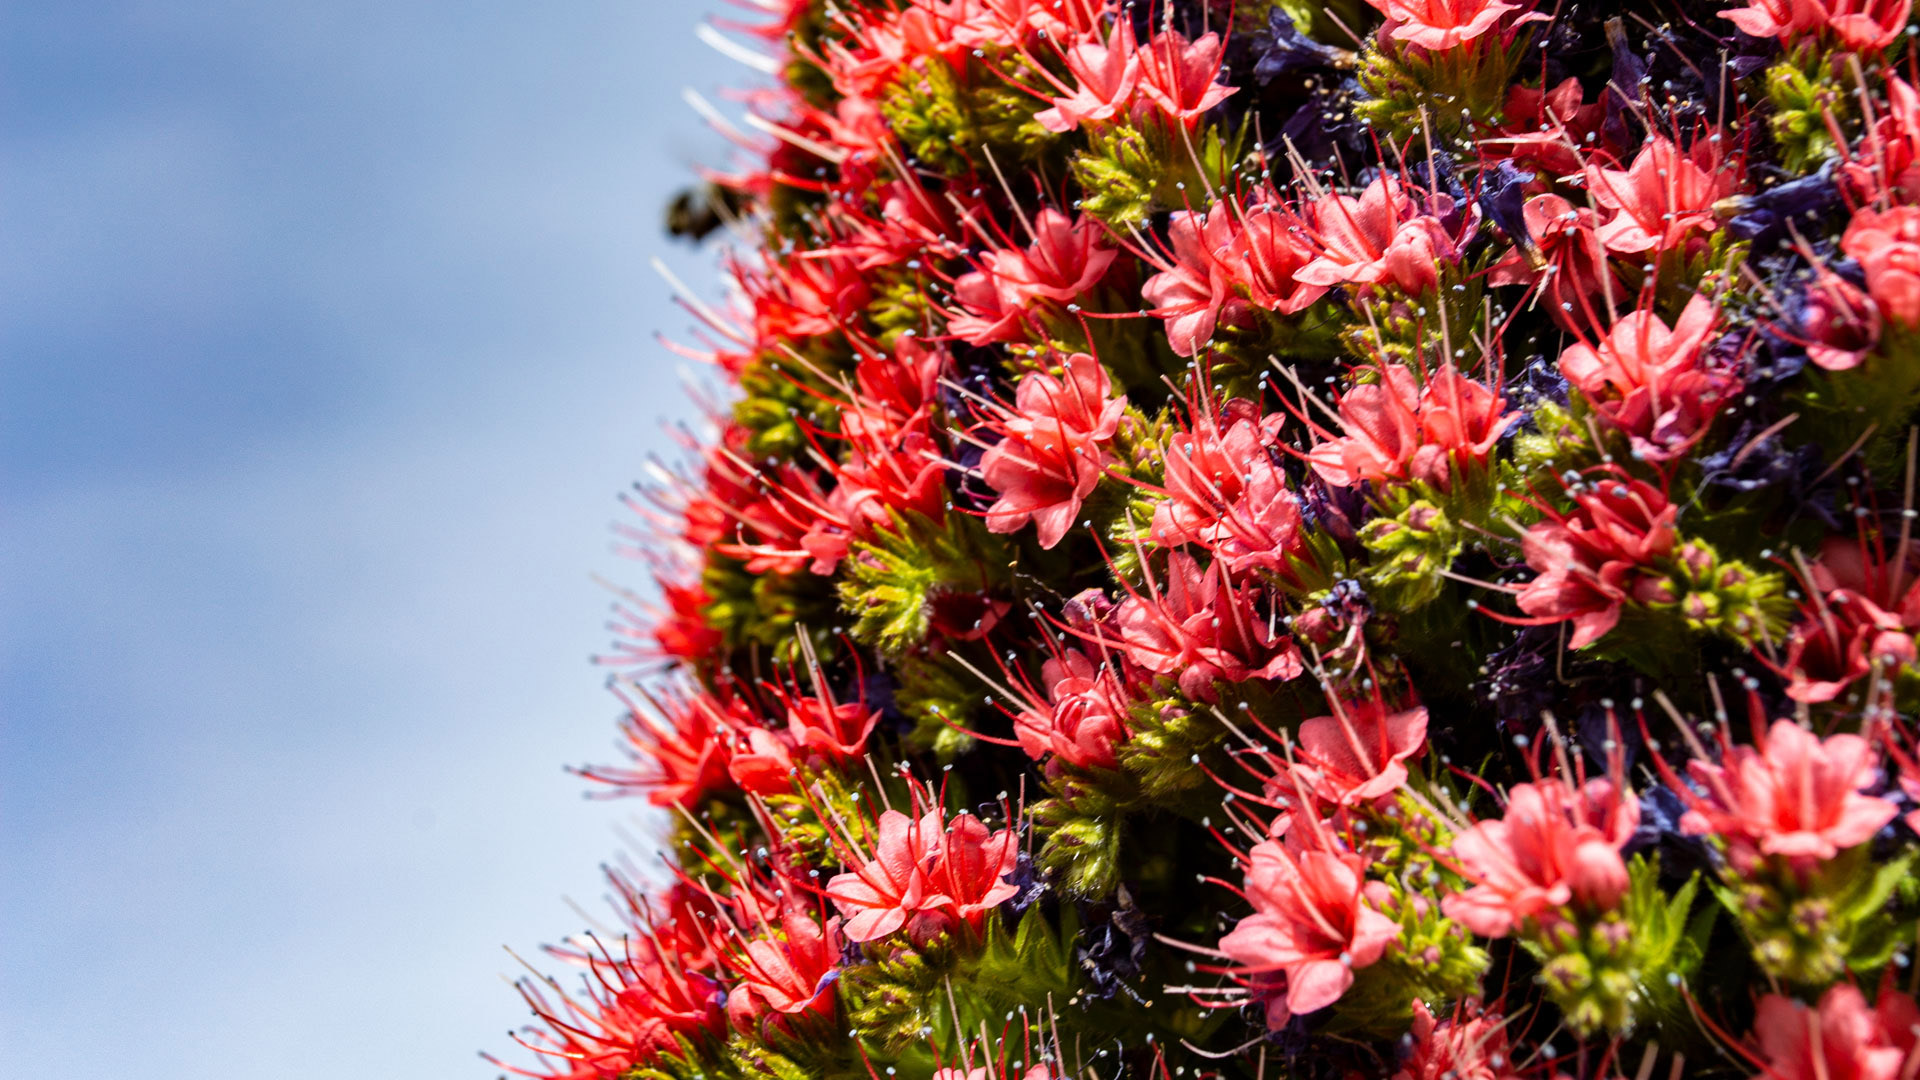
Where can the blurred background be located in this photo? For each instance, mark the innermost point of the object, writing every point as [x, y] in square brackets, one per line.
[326, 342]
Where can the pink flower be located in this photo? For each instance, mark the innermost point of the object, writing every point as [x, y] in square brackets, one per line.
[1084, 717]
[1556, 846]
[1593, 560]
[1840, 1039]
[1864, 26]
[1379, 238]
[1106, 74]
[1203, 630]
[1651, 381]
[1397, 430]
[1179, 76]
[1359, 753]
[1791, 794]
[927, 876]
[1189, 294]
[1053, 450]
[1265, 256]
[837, 732]
[1886, 244]
[1446, 24]
[1470, 1045]
[1885, 166]
[1207, 467]
[879, 897]
[1664, 196]
[1311, 922]
[1064, 262]
[967, 877]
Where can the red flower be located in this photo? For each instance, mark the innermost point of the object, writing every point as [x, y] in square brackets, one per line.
[680, 741]
[1470, 1045]
[1208, 466]
[1778, 18]
[927, 876]
[986, 315]
[1556, 845]
[1792, 794]
[640, 1003]
[879, 897]
[881, 478]
[762, 762]
[1562, 256]
[785, 975]
[1838, 324]
[1865, 26]
[1311, 922]
[836, 732]
[1446, 24]
[1380, 237]
[1886, 244]
[1223, 262]
[1053, 450]
[1840, 1039]
[1264, 531]
[1083, 717]
[673, 631]
[1885, 166]
[777, 512]
[1190, 292]
[1203, 630]
[892, 391]
[1358, 754]
[805, 296]
[1267, 252]
[1594, 559]
[1665, 196]
[1106, 74]
[1064, 262]
[1651, 381]
[967, 877]
[1546, 128]
[1178, 76]
[1863, 606]
[1397, 430]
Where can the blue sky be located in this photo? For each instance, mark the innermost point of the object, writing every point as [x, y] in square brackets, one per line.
[326, 340]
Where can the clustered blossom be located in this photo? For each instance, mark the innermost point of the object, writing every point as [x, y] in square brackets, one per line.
[1791, 795]
[1399, 430]
[1594, 560]
[1228, 537]
[1052, 449]
[928, 875]
[1556, 846]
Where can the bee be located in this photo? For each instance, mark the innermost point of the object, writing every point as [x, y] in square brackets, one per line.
[697, 212]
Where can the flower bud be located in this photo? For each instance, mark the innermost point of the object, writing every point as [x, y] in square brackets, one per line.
[1598, 876]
